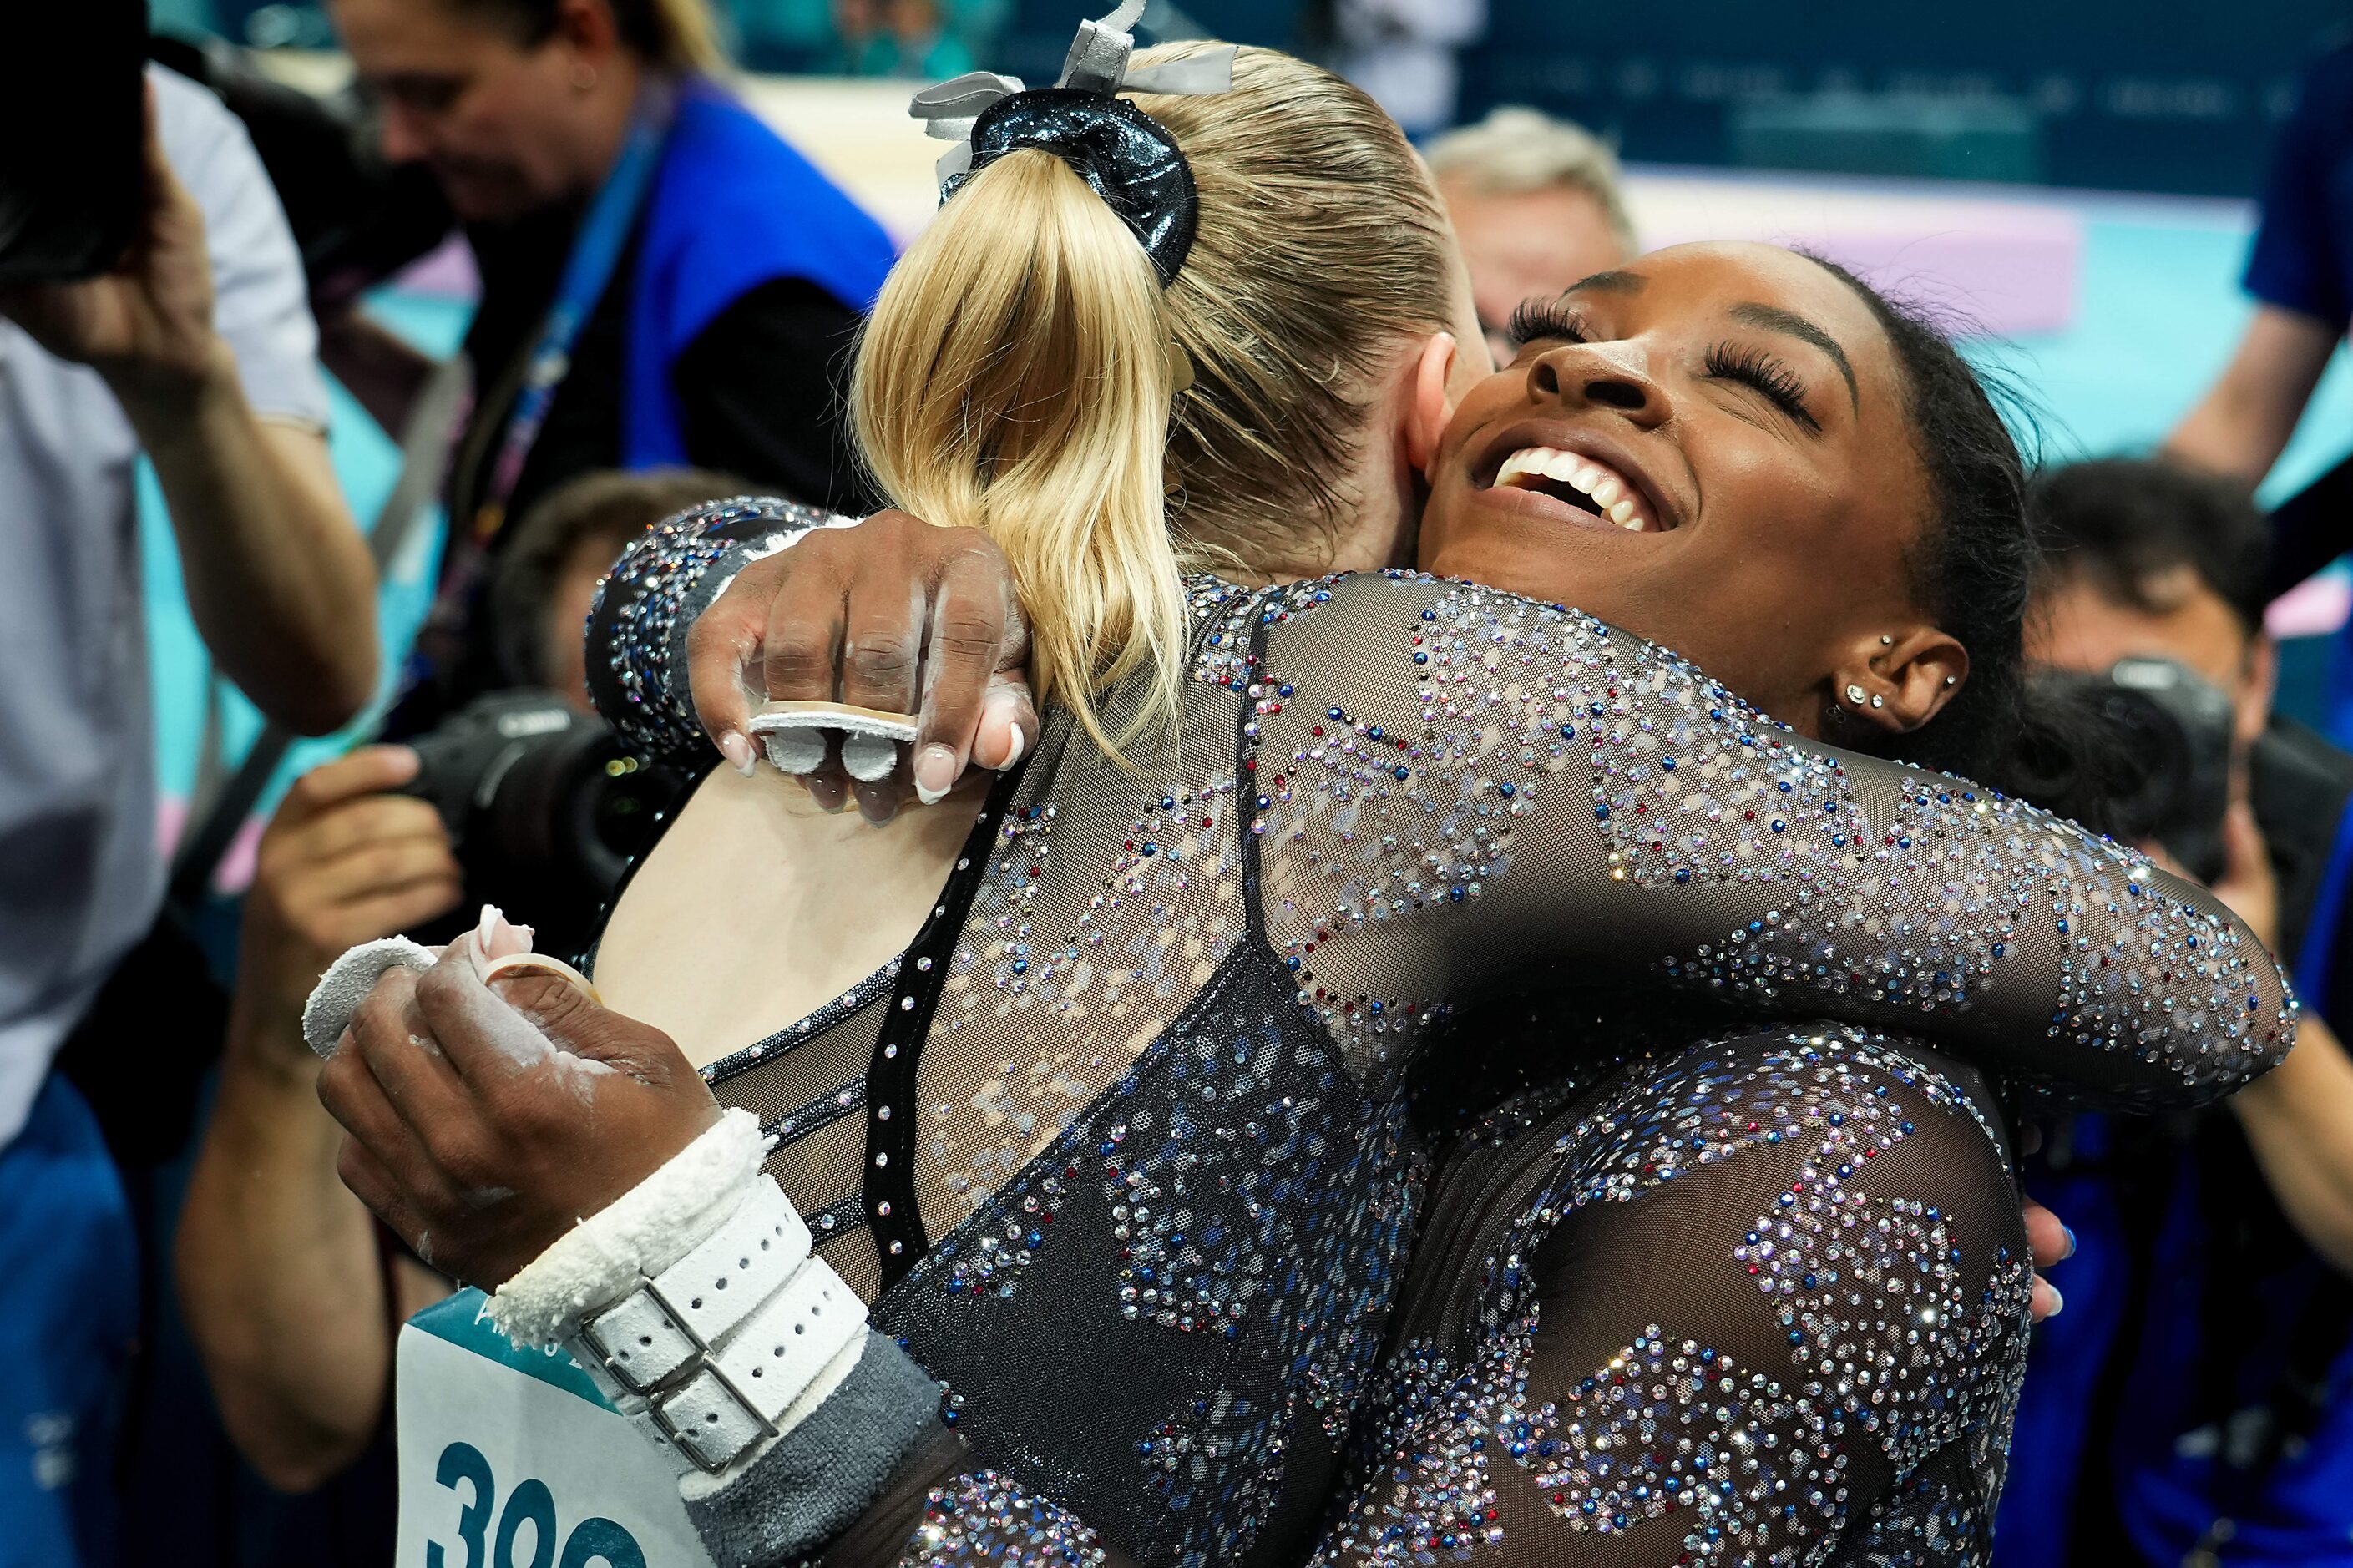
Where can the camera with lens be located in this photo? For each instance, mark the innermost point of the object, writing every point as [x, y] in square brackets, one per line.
[546, 807]
[2177, 729]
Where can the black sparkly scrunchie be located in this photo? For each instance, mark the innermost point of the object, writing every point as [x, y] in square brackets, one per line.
[1125, 155]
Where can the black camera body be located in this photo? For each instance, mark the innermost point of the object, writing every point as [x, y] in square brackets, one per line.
[545, 806]
[73, 179]
[2178, 729]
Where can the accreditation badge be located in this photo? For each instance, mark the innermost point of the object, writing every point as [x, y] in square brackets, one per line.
[510, 1459]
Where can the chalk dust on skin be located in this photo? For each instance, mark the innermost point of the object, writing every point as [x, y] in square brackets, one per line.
[512, 1030]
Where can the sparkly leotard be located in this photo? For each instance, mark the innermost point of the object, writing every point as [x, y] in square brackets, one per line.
[1121, 1146]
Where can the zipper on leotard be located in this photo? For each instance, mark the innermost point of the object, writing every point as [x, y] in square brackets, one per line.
[892, 1212]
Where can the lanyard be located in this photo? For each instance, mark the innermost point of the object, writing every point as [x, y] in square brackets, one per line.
[602, 235]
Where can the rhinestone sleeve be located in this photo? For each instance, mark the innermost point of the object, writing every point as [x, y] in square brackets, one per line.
[1462, 791]
[638, 620]
[1763, 1301]
[983, 1517]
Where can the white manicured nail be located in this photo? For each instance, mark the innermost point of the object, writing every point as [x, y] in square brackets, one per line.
[737, 749]
[935, 774]
[1014, 755]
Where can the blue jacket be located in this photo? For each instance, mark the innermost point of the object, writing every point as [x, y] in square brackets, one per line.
[732, 206]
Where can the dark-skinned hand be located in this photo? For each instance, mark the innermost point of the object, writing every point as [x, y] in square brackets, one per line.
[487, 1118]
[893, 615]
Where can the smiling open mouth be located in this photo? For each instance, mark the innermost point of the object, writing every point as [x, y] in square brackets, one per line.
[1579, 482]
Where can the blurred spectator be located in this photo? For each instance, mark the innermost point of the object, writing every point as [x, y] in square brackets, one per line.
[1536, 203]
[1402, 52]
[196, 349]
[896, 38]
[561, 552]
[2192, 1405]
[2301, 274]
[664, 280]
[291, 1293]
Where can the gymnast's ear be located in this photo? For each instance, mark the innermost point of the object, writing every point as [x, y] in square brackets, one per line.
[1429, 394]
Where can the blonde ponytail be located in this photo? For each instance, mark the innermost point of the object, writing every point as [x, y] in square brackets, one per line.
[1016, 376]
[1018, 373]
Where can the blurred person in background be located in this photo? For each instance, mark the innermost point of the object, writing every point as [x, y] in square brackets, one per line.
[2301, 276]
[197, 350]
[2192, 1405]
[896, 38]
[664, 280]
[1536, 205]
[1405, 53]
[291, 1291]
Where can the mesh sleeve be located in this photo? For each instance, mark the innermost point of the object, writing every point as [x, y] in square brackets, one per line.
[1462, 791]
[1805, 1346]
[943, 1511]
[645, 607]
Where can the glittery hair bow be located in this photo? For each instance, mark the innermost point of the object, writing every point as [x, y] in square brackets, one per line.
[1126, 156]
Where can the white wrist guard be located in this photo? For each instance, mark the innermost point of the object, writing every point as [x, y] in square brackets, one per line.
[695, 1291]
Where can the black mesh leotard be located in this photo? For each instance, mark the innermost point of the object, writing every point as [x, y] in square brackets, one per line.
[1121, 1145]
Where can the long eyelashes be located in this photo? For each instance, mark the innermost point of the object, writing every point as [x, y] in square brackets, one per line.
[1767, 374]
[1545, 320]
[1548, 320]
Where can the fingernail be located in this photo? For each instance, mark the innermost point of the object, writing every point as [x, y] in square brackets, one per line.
[495, 936]
[2058, 1301]
[1014, 755]
[2071, 1241]
[935, 774]
[737, 749]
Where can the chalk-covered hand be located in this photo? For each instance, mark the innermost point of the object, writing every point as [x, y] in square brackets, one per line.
[488, 1118]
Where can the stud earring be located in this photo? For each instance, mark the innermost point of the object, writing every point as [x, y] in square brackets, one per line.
[1877, 700]
[1951, 680]
[1855, 695]
[1886, 641]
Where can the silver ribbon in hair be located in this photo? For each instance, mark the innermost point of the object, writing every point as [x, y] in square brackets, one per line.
[1097, 63]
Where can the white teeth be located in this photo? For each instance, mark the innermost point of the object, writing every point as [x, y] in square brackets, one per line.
[1528, 461]
[1615, 498]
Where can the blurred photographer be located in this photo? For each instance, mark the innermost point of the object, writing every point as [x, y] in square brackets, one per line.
[179, 333]
[291, 1291]
[2191, 1406]
[664, 280]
